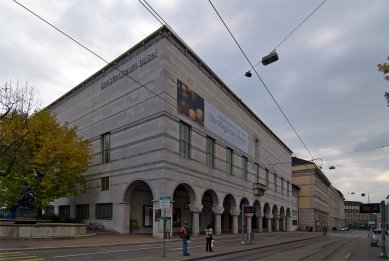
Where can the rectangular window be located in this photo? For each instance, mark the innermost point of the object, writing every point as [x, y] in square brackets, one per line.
[210, 151]
[64, 211]
[267, 178]
[275, 182]
[185, 140]
[244, 168]
[103, 210]
[105, 183]
[256, 172]
[282, 186]
[82, 211]
[229, 162]
[287, 189]
[105, 147]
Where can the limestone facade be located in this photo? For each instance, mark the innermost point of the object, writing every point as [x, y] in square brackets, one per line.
[165, 129]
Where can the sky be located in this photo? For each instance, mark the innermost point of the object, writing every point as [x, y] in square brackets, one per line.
[326, 80]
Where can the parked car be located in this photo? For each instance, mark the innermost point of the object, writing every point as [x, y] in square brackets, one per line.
[343, 228]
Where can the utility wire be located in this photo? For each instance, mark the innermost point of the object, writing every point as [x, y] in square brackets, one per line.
[295, 29]
[267, 89]
[355, 151]
[95, 54]
[92, 52]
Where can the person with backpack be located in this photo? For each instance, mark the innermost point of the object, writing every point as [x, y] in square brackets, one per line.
[185, 236]
[208, 238]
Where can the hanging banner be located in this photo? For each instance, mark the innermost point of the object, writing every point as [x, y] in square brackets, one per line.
[198, 110]
[218, 123]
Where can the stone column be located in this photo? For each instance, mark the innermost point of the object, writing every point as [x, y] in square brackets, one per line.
[218, 211]
[269, 218]
[195, 209]
[124, 214]
[235, 214]
[283, 223]
[288, 224]
[277, 223]
[248, 222]
[259, 223]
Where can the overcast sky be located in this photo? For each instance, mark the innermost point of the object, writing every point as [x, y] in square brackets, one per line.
[326, 80]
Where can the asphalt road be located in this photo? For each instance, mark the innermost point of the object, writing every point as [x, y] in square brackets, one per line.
[348, 245]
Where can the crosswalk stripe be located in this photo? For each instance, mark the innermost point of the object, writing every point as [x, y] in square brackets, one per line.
[18, 256]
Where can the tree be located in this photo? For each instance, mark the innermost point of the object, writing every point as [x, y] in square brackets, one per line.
[37, 150]
[384, 68]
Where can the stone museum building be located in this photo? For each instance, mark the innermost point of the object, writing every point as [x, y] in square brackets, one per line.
[320, 204]
[170, 141]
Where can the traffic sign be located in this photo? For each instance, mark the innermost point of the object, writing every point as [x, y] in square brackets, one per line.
[164, 202]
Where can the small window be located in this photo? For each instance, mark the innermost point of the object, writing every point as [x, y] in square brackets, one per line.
[185, 130]
[244, 168]
[82, 211]
[210, 151]
[229, 162]
[64, 211]
[105, 147]
[267, 178]
[105, 183]
[103, 210]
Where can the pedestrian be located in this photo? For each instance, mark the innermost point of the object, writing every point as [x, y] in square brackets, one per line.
[185, 236]
[208, 238]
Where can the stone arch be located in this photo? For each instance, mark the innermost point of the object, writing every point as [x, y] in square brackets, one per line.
[282, 219]
[276, 218]
[267, 216]
[184, 201]
[242, 220]
[209, 201]
[188, 188]
[257, 218]
[137, 214]
[288, 216]
[230, 209]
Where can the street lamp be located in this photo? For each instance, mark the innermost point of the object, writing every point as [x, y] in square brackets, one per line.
[268, 59]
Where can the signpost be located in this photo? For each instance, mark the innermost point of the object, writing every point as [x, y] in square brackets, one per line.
[383, 229]
[164, 203]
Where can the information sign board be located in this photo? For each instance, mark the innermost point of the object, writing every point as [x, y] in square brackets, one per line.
[164, 202]
[369, 208]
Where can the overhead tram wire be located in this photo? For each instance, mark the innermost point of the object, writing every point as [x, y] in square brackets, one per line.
[355, 151]
[267, 89]
[294, 30]
[94, 53]
[286, 37]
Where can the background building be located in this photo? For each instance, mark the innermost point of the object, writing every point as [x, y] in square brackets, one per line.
[320, 204]
[164, 127]
[353, 217]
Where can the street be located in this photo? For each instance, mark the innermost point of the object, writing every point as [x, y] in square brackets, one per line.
[342, 245]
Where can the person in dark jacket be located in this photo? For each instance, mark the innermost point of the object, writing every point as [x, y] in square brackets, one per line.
[185, 240]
